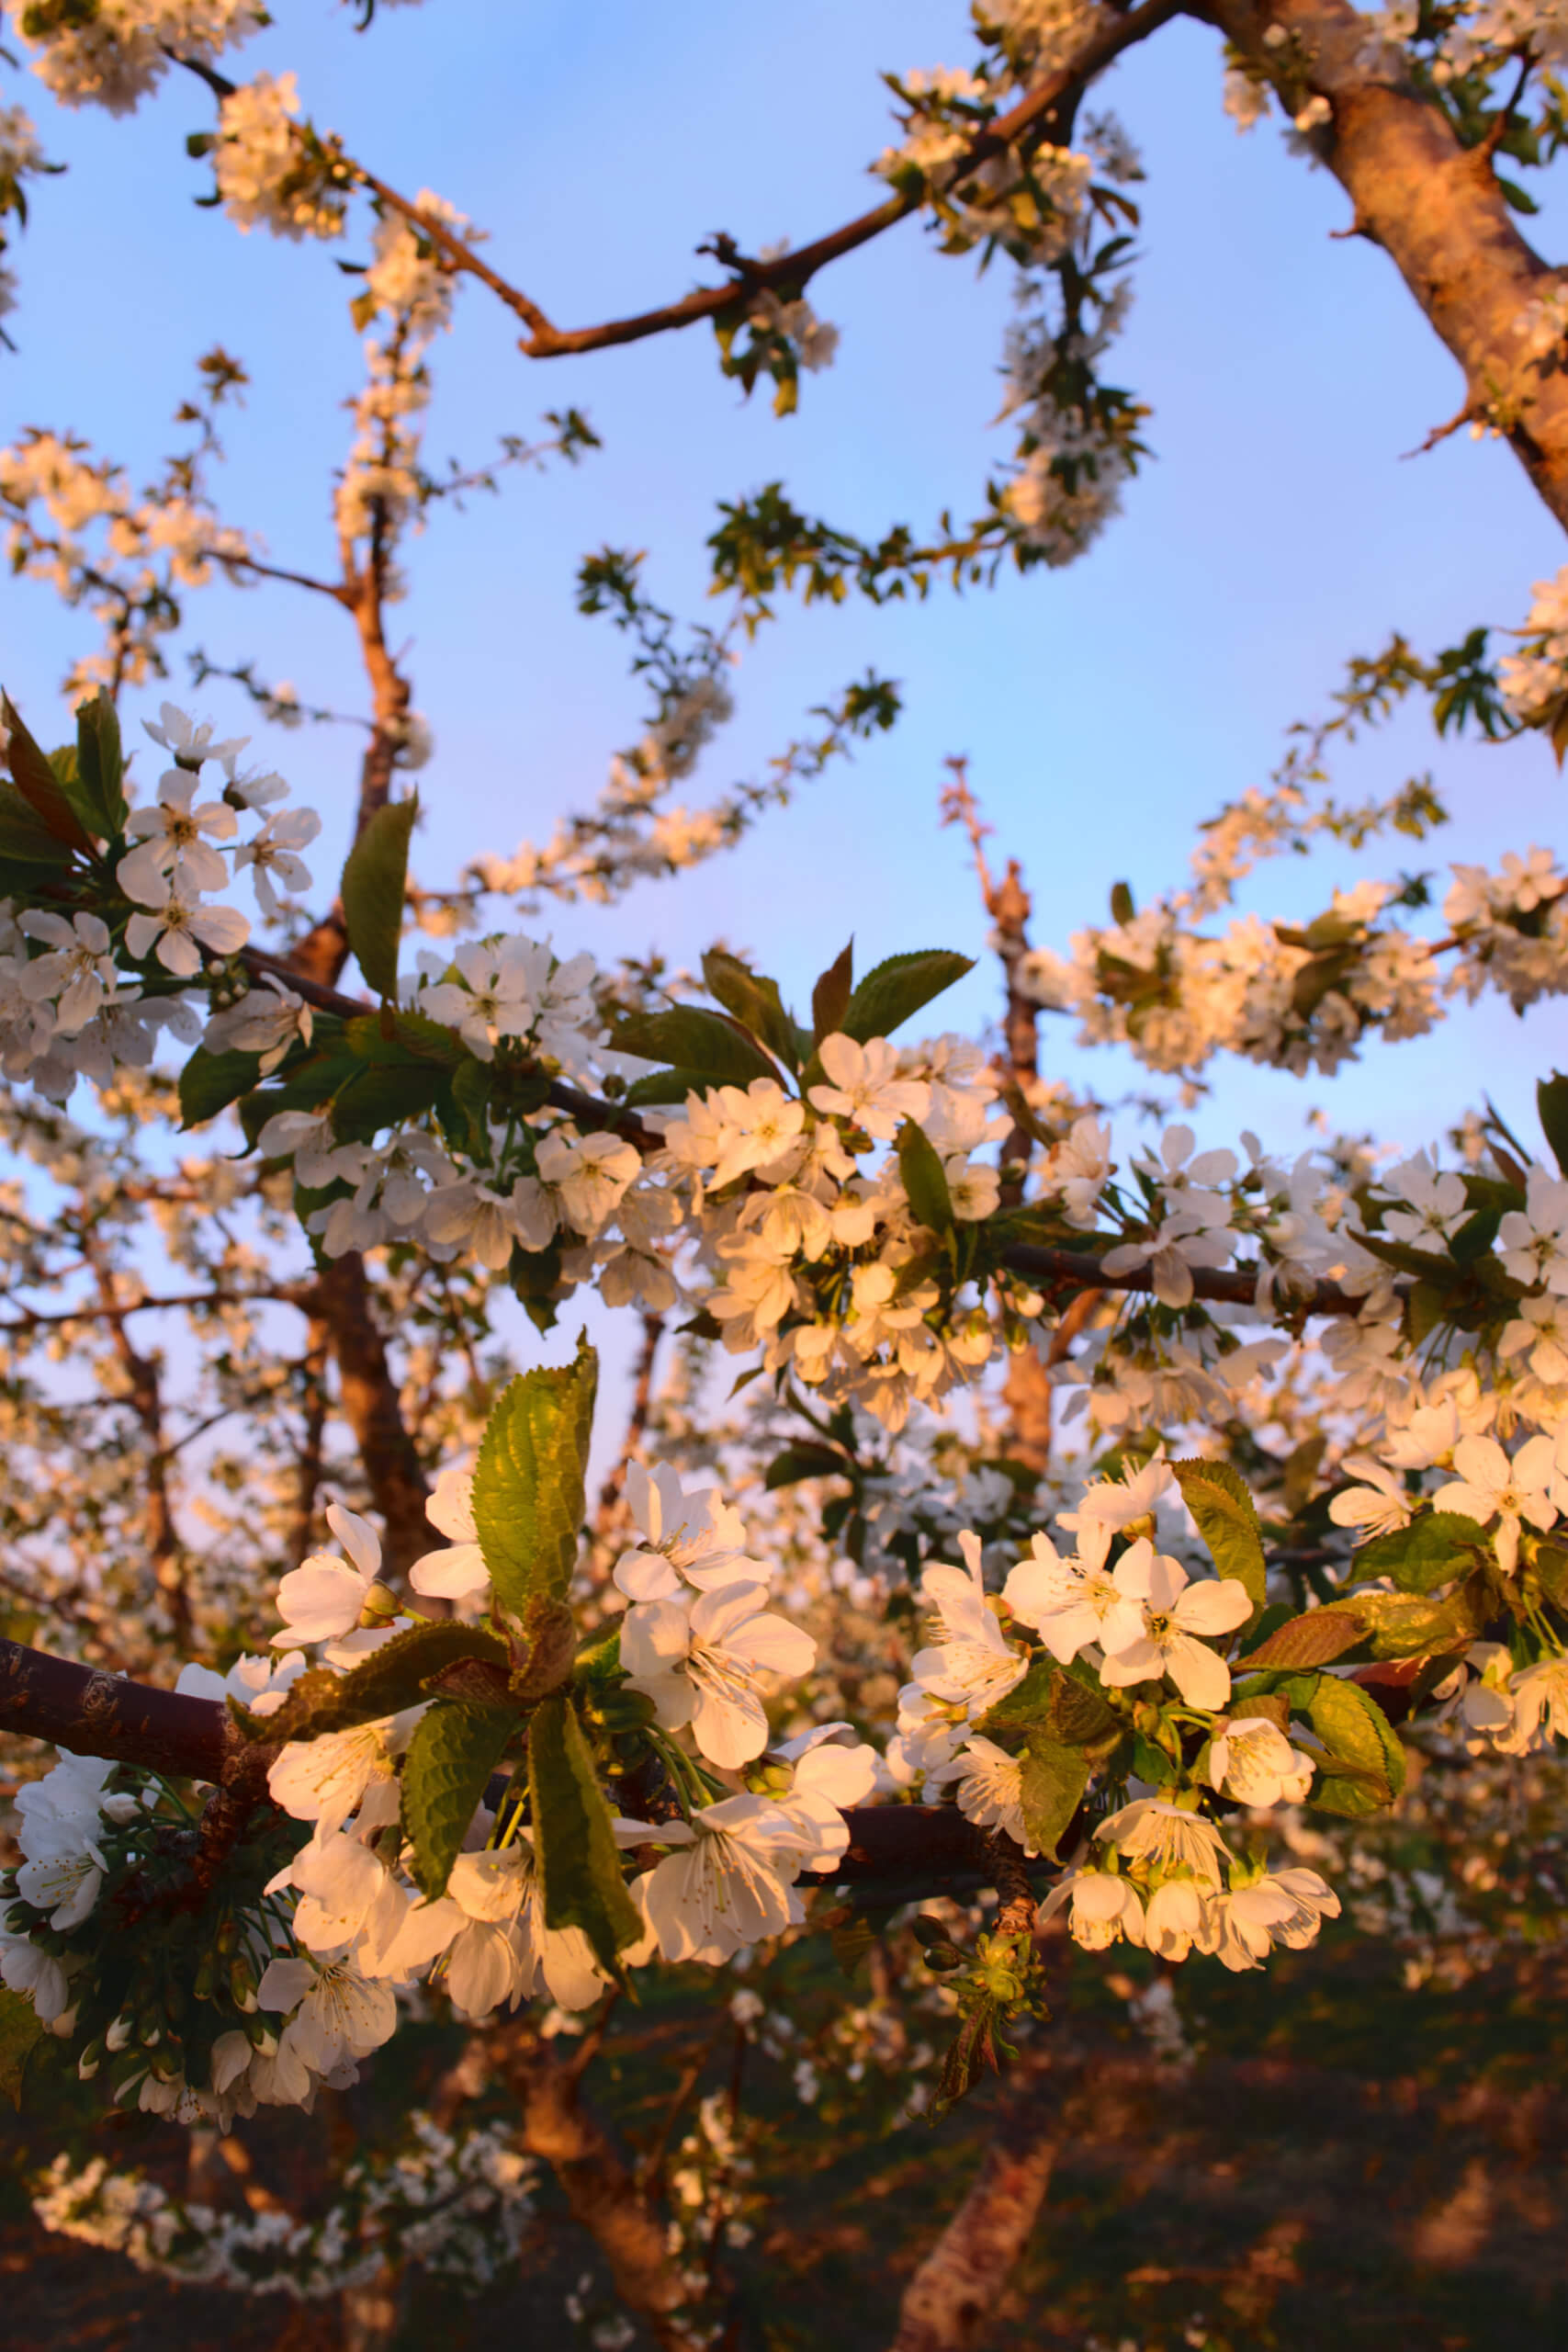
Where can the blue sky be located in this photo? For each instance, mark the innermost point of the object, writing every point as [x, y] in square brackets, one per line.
[1104, 710]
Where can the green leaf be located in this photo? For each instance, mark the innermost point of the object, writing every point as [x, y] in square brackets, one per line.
[798, 1462]
[897, 988]
[695, 1039]
[1219, 1500]
[209, 1082]
[574, 1845]
[395, 1676]
[1353, 1726]
[753, 1001]
[24, 840]
[454, 1750]
[100, 765]
[925, 1179]
[1052, 1784]
[1054, 1701]
[384, 1095]
[38, 785]
[1314, 1639]
[1124, 906]
[1475, 1238]
[1551, 1104]
[830, 997]
[20, 2029]
[671, 1086]
[528, 1482]
[375, 883]
[1402, 1625]
[1432, 1551]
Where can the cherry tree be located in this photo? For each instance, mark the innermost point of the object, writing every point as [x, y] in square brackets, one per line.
[1096, 1523]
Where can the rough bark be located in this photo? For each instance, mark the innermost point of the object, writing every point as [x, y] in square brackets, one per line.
[1435, 207]
[950, 2302]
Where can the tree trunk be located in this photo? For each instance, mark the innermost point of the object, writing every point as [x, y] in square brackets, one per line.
[950, 2302]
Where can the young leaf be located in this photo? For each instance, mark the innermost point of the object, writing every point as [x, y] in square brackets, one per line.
[38, 785]
[574, 1845]
[696, 1040]
[1430, 1551]
[1403, 1624]
[454, 1750]
[898, 988]
[396, 1675]
[925, 1179]
[528, 1482]
[1312, 1640]
[1353, 1726]
[375, 882]
[100, 765]
[753, 1001]
[1052, 1784]
[1052, 1700]
[209, 1082]
[1218, 1500]
[830, 997]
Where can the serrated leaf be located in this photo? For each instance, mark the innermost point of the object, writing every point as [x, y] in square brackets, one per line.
[1354, 1727]
[375, 885]
[20, 2029]
[100, 765]
[393, 1677]
[209, 1082]
[1051, 1786]
[38, 785]
[454, 1750]
[924, 1178]
[897, 988]
[1552, 1106]
[1432, 1551]
[1220, 1501]
[753, 1001]
[830, 997]
[691, 1038]
[1314, 1639]
[528, 1482]
[574, 1845]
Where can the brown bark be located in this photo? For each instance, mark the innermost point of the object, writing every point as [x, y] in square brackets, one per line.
[557, 2125]
[951, 2300]
[1435, 207]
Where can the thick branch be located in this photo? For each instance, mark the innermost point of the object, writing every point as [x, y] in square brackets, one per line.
[1230, 1286]
[368, 1397]
[99, 1715]
[1435, 206]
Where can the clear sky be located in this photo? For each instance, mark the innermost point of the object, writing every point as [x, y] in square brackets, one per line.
[1105, 709]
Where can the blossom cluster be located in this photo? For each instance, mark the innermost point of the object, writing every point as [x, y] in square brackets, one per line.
[113, 53]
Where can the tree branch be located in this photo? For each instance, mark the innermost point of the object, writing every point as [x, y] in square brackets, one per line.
[795, 269]
[1433, 205]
